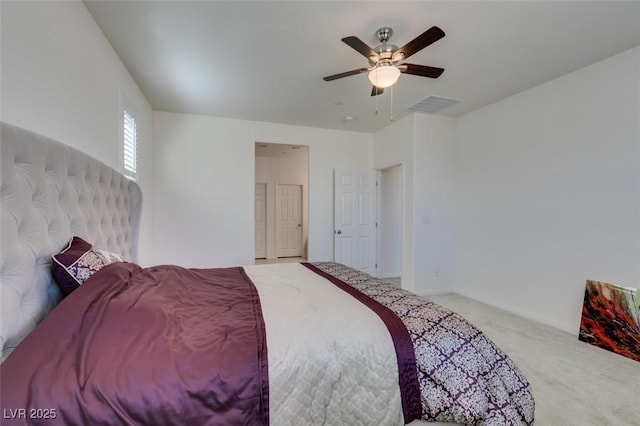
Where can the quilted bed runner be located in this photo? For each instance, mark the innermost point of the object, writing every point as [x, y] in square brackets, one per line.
[463, 376]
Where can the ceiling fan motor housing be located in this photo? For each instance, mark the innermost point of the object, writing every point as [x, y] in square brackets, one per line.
[384, 34]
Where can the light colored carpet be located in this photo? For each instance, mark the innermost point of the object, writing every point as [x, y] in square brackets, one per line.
[573, 383]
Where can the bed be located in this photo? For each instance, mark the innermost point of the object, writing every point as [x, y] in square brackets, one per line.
[308, 343]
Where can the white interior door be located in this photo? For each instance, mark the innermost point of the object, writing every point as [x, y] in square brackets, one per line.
[355, 219]
[289, 220]
[261, 220]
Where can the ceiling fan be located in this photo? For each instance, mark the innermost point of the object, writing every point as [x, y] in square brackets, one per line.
[387, 61]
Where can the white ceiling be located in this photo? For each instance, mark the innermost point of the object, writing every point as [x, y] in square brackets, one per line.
[264, 60]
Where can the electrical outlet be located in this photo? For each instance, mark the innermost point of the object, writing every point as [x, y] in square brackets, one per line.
[436, 273]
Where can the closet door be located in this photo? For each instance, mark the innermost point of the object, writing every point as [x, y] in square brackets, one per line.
[289, 220]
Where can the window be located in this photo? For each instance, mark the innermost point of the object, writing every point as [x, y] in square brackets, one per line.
[130, 149]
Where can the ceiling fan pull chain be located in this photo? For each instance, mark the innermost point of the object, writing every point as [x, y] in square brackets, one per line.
[376, 89]
[391, 118]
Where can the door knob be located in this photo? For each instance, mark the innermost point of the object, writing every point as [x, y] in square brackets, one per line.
[338, 232]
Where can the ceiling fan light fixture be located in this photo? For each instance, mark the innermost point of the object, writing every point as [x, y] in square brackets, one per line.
[384, 76]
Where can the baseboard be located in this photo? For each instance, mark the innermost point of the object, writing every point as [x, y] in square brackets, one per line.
[527, 315]
[436, 292]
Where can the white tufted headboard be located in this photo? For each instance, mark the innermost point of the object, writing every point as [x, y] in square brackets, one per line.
[49, 193]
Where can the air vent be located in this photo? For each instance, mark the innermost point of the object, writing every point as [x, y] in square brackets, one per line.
[434, 104]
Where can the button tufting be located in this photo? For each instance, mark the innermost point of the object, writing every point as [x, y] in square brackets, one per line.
[51, 192]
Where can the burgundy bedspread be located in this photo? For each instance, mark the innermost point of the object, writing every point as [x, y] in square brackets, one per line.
[163, 345]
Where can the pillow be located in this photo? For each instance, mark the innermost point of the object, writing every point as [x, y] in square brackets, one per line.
[79, 261]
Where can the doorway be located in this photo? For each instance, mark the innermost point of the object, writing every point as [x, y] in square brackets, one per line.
[390, 224]
[261, 220]
[283, 171]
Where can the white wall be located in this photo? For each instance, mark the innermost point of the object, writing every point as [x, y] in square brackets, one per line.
[205, 185]
[549, 192]
[424, 145]
[293, 170]
[60, 77]
[435, 202]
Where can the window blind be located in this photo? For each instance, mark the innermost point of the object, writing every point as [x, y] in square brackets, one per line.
[130, 146]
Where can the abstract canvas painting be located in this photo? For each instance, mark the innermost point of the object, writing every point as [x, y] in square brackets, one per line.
[611, 318]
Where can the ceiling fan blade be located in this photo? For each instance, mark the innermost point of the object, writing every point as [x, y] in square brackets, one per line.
[422, 70]
[345, 74]
[375, 91]
[359, 45]
[428, 37]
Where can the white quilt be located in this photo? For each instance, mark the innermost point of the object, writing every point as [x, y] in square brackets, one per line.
[331, 359]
